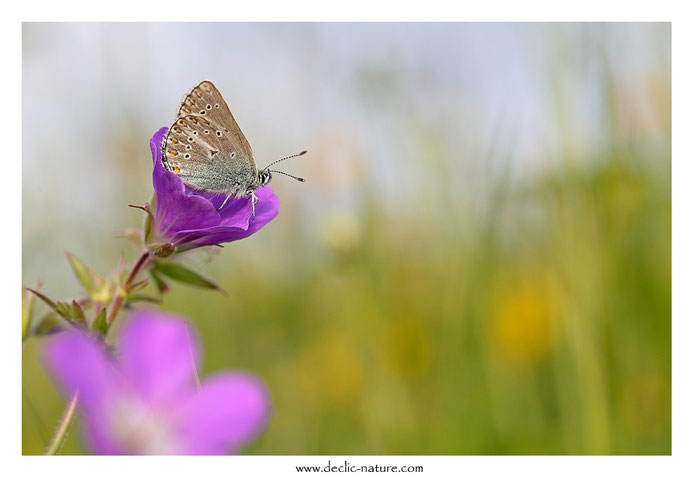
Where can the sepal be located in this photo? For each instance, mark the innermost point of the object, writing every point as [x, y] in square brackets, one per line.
[100, 325]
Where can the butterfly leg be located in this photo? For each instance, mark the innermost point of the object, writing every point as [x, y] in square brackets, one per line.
[225, 201]
[254, 200]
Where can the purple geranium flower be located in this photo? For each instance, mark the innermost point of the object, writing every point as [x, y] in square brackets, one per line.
[145, 400]
[186, 217]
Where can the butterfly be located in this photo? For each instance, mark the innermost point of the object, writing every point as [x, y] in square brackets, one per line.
[207, 150]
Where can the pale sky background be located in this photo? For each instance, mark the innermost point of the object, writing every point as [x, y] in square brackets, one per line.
[365, 99]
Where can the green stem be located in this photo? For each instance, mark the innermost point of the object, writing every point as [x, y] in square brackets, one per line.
[63, 426]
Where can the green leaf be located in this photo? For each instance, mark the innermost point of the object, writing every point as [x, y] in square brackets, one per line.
[138, 286]
[99, 323]
[182, 274]
[49, 324]
[72, 312]
[64, 310]
[48, 301]
[162, 286]
[143, 298]
[77, 313]
[83, 273]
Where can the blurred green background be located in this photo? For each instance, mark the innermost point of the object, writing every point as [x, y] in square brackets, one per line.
[480, 261]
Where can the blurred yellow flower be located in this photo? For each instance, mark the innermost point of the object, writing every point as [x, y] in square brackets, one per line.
[522, 318]
[329, 371]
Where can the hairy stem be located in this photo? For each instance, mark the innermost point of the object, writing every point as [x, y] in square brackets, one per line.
[63, 426]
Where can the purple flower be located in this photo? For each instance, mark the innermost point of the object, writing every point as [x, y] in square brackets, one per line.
[144, 400]
[186, 217]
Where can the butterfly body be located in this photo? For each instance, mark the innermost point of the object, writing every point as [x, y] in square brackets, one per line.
[207, 150]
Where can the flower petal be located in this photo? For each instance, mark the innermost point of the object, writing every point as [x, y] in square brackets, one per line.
[228, 412]
[98, 437]
[236, 212]
[235, 224]
[158, 356]
[81, 364]
[175, 208]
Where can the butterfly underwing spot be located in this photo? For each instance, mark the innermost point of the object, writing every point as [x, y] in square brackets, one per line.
[213, 152]
[209, 107]
[173, 152]
[176, 170]
[233, 154]
[186, 156]
[207, 131]
[219, 133]
[188, 146]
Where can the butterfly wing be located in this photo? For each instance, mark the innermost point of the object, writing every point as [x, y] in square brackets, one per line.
[206, 147]
[205, 101]
[205, 158]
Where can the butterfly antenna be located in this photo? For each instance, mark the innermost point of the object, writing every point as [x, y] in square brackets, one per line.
[288, 157]
[287, 174]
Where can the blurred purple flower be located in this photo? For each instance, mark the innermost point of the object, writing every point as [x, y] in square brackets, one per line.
[186, 217]
[145, 400]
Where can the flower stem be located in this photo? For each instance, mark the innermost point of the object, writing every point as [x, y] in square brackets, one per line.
[131, 277]
[63, 426]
